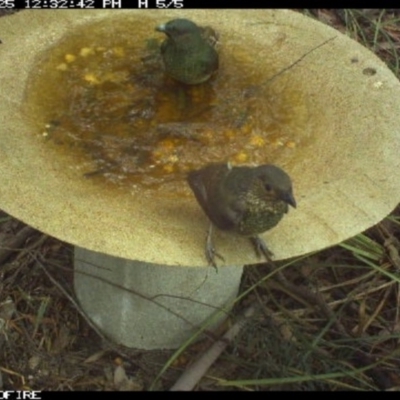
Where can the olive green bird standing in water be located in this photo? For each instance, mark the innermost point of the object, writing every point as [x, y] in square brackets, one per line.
[187, 54]
[244, 200]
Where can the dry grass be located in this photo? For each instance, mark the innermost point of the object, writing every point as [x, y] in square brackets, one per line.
[328, 321]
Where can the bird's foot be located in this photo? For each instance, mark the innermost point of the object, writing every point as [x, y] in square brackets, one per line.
[261, 248]
[211, 253]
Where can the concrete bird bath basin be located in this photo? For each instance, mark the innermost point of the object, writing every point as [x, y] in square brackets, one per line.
[332, 122]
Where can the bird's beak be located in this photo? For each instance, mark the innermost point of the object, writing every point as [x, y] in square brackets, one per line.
[160, 28]
[289, 198]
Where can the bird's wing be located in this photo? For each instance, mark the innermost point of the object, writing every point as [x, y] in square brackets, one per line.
[230, 204]
[209, 55]
[235, 191]
[196, 182]
[206, 187]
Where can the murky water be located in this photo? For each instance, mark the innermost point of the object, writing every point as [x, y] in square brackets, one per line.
[101, 101]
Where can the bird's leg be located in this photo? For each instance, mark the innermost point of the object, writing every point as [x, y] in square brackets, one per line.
[210, 250]
[261, 247]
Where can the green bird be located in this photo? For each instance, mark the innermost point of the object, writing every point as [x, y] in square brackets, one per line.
[188, 55]
[244, 200]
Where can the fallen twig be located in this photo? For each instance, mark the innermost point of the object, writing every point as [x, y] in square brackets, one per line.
[189, 379]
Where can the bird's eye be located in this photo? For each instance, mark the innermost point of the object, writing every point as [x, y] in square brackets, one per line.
[268, 187]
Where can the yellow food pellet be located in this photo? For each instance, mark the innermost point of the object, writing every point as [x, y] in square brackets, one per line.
[101, 48]
[86, 51]
[91, 78]
[62, 67]
[174, 158]
[119, 51]
[241, 157]
[277, 143]
[291, 144]
[69, 58]
[169, 168]
[257, 141]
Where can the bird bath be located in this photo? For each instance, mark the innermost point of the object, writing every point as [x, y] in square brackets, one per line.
[331, 121]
